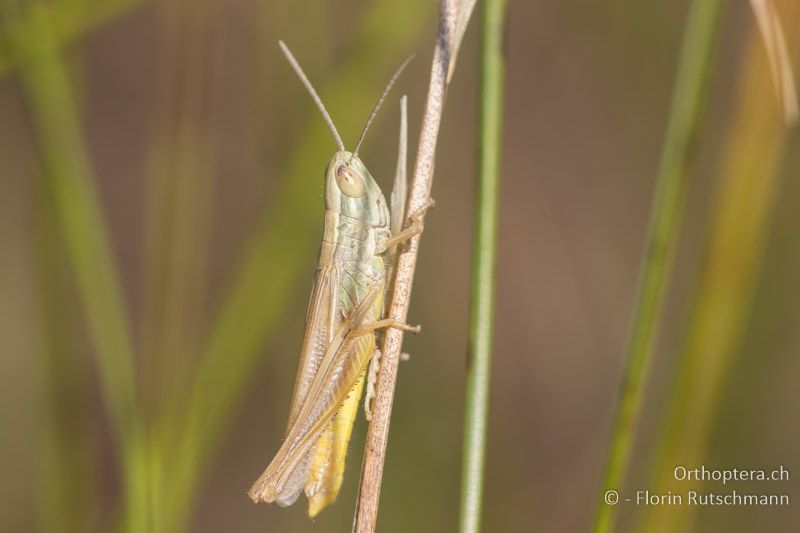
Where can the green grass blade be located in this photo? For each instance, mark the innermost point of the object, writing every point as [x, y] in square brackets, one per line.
[688, 106]
[31, 39]
[66, 468]
[744, 204]
[69, 176]
[483, 265]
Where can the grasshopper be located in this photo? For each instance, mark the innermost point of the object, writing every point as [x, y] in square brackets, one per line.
[344, 313]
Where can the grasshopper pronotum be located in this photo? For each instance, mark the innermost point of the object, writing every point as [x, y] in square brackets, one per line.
[344, 312]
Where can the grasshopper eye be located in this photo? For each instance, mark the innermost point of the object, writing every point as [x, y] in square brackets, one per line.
[350, 182]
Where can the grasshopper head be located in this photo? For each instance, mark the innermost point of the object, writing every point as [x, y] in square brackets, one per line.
[351, 191]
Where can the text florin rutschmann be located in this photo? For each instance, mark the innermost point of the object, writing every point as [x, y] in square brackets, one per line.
[702, 499]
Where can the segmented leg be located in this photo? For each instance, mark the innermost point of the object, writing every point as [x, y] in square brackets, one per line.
[372, 380]
[327, 469]
[416, 226]
[385, 323]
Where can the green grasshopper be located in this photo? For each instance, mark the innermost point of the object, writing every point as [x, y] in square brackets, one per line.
[344, 313]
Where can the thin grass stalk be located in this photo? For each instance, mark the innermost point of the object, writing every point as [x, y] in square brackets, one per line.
[453, 19]
[67, 472]
[780, 64]
[743, 208]
[30, 38]
[66, 466]
[484, 245]
[689, 102]
[271, 267]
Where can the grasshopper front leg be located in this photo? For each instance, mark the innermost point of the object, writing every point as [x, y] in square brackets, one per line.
[416, 226]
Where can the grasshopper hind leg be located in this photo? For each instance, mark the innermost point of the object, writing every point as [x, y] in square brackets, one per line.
[327, 467]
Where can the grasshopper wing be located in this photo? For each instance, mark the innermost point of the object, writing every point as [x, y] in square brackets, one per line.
[328, 463]
[322, 387]
[316, 338]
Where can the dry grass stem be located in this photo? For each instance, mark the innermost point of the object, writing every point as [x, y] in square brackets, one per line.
[448, 40]
[780, 65]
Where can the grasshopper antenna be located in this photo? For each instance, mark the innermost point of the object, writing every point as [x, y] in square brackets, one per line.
[317, 100]
[379, 103]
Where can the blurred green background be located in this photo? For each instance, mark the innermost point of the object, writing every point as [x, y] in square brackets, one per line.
[165, 148]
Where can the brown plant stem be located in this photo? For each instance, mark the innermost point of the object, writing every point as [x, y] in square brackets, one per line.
[453, 18]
